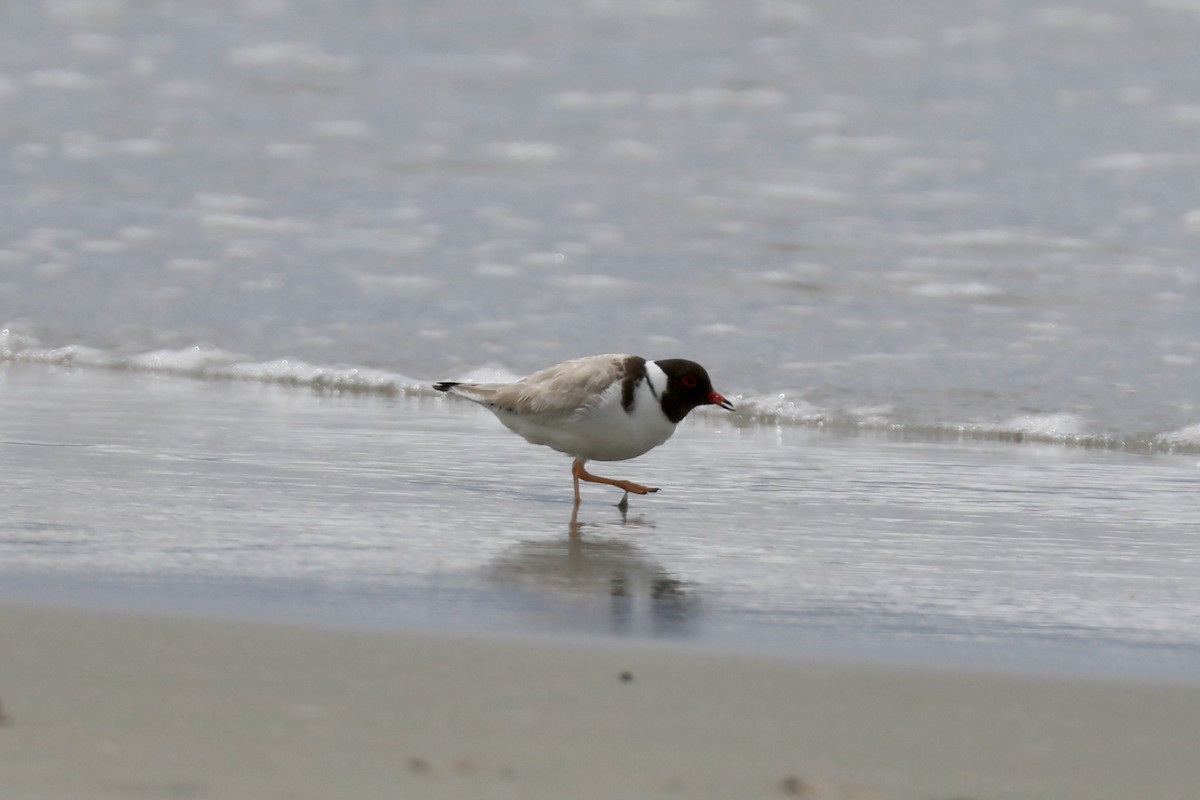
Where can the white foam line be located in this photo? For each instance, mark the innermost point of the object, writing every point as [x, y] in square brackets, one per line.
[208, 363]
[204, 363]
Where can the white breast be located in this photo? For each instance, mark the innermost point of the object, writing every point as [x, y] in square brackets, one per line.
[604, 430]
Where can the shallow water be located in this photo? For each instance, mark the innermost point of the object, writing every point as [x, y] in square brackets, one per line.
[236, 499]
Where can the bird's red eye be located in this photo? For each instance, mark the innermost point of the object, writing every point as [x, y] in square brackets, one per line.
[689, 381]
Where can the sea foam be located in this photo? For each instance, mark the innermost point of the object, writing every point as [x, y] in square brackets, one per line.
[1184, 438]
[204, 362]
[779, 410]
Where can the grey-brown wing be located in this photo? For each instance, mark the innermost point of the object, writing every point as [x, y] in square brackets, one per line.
[556, 391]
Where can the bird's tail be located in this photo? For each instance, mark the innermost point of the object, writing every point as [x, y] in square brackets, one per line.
[475, 392]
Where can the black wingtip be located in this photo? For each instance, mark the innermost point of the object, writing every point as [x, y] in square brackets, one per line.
[445, 386]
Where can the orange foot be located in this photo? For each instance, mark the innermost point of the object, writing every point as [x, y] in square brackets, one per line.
[581, 474]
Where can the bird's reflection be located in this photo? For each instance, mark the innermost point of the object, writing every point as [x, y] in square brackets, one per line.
[591, 562]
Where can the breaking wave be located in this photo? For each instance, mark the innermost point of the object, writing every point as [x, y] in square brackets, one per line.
[210, 363]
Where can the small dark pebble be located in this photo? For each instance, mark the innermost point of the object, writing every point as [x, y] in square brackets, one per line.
[418, 766]
[626, 677]
[795, 787]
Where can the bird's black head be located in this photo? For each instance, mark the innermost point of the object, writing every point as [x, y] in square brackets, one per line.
[688, 386]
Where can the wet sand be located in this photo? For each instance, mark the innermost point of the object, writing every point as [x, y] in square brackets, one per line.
[105, 705]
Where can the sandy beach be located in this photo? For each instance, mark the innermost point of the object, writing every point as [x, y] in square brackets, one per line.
[136, 706]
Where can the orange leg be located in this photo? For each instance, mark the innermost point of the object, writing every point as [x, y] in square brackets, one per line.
[579, 473]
